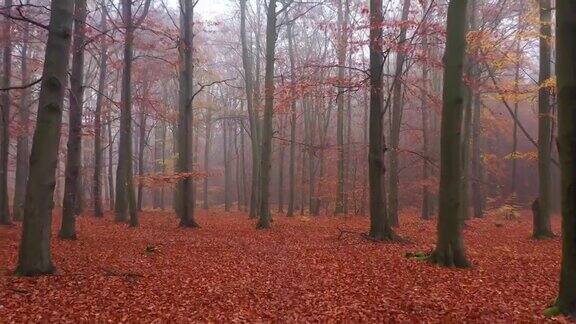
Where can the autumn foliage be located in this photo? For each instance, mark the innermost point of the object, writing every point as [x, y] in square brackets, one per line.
[303, 269]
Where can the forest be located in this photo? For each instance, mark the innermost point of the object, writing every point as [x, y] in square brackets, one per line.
[288, 161]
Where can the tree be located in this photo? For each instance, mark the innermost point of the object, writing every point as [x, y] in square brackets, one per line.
[450, 246]
[380, 227]
[566, 85]
[542, 225]
[125, 195]
[397, 108]
[343, 14]
[34, 255]
[74, 146]
[292, 163]
[5, 103]
[23, 140]
[267, 131]
[250, 90]
[185, 201]
[97, 176]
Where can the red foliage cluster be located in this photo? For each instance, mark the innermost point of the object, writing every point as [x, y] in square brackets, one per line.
[298, 271]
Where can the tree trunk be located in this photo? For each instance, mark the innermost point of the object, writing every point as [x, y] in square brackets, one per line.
[450, 246]
[110, 161]
[397, 112]
[281, 154]
[267, 131]
[5, 102]
[97, 177]
[34, 255]
[566, 85]
[227, 177]
[252, 113]
[207, 158]
[542, 225]
[141, 148]
[341, 56]
[125, 195]
[23, 140]
[477, 173]
[426, 172]
[380, 227]
[186, 200]
[292, 167]
[72, 193]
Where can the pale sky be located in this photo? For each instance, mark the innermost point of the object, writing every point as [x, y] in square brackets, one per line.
[208, 9]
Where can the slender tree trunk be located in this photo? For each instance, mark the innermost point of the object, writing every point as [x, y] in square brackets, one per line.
[380, 227]
[281, 154]
[514, 160]
[252, 113]
[426, 172]
[450, 246]
[397, 112]
[566, 87]
[141, 148]
[159, 138]
[477, 174]
[34, 255]
[341, 56]
[110, 161]
[239, 191]
[243, 167]
[292, 167]
[207, 158]
[72, 172]
[23, 140]
[542, 225]
[227, 177]
[97, 177]
[5, 102]
[267, 131]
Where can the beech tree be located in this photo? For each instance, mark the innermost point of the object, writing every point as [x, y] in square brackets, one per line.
[450, 246]
[72, 193]
[566, 85]
[380, 227]
[34, 256]
[5, 103]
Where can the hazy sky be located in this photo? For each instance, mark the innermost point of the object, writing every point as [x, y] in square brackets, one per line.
[208, 9]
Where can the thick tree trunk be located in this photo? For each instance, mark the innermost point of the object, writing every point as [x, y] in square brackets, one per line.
[23, 140]
[267, 131]
[542, 226]
[380, 227]
[566, 87]
[185, 208]
[450, 246]
[5, 102]
[34, 255]
[97, 176]
[397, 112]
[125, 195]
[72, 193]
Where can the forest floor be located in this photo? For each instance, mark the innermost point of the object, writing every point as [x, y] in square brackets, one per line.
[302, 269]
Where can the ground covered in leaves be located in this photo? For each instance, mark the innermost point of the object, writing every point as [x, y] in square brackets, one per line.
[303, 269]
